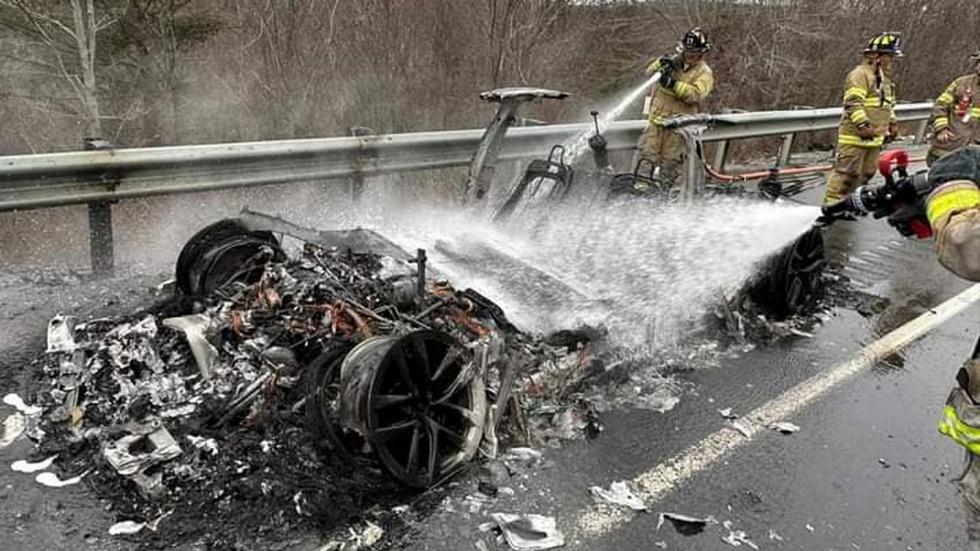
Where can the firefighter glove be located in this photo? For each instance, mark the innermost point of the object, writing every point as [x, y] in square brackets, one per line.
[910, 220]
[866, 131]
[667, 80]
[668, 64]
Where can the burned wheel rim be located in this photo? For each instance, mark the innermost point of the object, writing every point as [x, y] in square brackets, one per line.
[805, 261]
[417, 400]
[219, 253]
[426, 408]
[790, 283]
[200, 242]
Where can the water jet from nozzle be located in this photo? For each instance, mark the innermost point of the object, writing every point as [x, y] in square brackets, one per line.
[578, 145]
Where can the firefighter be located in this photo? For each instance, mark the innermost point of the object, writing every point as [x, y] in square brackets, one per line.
[868, 120]
[956, 114]
[953, 211]
[685, 82]
[949, 205]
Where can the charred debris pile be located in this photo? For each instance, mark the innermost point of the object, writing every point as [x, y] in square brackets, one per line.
[279, 390]
[275, 390]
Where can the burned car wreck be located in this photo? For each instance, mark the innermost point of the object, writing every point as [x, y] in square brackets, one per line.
[297, 375]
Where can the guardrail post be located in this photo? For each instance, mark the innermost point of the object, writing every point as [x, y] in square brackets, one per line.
[356, 182]
[920, 133]
[721, 155]
[694, 171]
[786, 149]
[101, 252]
[100, 236]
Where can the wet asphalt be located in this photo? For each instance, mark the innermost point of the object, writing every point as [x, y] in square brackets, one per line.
[867, 470]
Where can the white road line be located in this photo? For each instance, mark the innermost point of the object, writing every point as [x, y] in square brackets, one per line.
[658, 482]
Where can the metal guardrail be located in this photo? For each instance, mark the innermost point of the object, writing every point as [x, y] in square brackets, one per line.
[99, 177]
[55, 179]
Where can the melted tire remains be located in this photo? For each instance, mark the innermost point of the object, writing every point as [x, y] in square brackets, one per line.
[223, 252]
[792, 282]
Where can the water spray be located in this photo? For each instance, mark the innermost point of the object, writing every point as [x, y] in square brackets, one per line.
[578, 145]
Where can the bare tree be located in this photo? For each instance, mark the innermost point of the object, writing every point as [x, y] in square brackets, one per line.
[64, 36]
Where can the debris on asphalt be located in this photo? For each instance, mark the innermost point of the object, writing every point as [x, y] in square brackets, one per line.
[364, 538]
[13, 426]
[529, 532]
[741, 426]
[686, 524]
[209, 445]
[51, 480]
[736, 538]
[727, 413]
[784, 427]
[22, 466]
[126, 528]
[141, 449]
[523, 455]
[61, 334]
[16, 402]
[774, 536]
[619, 493]
[227, 406]
[195, 327]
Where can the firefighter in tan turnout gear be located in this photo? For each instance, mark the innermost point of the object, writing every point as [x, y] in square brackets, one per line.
[953, 210]
[685, 82]
[946, 207]
[956, 114]
[868, 120]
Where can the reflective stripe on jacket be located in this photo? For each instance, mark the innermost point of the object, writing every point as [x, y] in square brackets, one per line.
[685, 97]
[965, 126]
[961, 420]
[868, 98]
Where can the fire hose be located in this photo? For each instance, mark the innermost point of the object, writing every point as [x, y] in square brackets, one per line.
[774, 172]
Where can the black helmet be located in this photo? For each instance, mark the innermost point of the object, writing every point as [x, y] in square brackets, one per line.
[695, 41]
[885, 43]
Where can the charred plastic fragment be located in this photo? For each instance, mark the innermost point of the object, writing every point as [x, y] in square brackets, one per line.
[223, 252]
